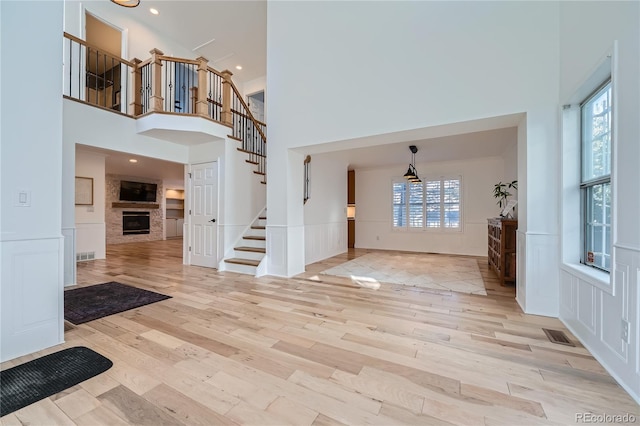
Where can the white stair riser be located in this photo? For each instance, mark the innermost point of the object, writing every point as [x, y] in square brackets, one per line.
[253, 243]
[261, 222]
[241, 254]
[240, 269]
[256, 232]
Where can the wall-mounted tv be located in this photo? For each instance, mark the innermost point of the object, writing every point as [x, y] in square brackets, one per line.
[137, 191]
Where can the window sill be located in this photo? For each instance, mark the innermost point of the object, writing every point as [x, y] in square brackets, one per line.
[593, 276]
[433, 230]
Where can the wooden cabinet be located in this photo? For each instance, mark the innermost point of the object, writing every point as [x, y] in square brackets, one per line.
[502, 248]
[351, 187]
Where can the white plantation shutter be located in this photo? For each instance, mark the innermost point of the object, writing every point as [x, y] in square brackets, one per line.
[433, 204]
[416, 207]
[451, 203]
[399, 204]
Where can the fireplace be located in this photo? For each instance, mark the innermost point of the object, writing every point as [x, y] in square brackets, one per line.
[135, 223]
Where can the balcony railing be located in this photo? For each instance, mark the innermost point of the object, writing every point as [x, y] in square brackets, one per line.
[95, 76]
[162, 84]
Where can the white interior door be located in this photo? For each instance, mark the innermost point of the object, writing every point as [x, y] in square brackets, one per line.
[204, 215]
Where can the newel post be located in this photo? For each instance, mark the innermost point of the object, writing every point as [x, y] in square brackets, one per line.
[227, 117]
[202, 101]
[156, 81]
[136, 79]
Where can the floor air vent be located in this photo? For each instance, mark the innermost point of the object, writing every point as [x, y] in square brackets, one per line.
[90, 255]
[557, 336]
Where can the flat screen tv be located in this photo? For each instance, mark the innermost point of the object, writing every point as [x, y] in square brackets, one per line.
[137, 191]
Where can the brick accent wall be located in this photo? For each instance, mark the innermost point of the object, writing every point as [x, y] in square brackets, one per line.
[113, 216]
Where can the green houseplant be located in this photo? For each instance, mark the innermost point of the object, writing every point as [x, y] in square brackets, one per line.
[501, 192]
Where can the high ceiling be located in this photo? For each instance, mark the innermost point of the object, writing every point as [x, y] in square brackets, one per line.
[231, 33]
[228, 33]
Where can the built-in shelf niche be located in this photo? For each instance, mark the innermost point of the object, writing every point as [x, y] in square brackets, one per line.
[174, 204]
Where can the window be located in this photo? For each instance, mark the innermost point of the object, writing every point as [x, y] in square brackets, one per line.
[595, 180]
[432, 204]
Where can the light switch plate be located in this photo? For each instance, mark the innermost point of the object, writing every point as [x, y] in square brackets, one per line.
[23, 198]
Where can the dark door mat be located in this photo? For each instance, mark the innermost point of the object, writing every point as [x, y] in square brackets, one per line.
[32, 381]
[90, 303]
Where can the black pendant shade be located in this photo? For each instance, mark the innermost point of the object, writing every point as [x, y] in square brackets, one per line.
[412, 173]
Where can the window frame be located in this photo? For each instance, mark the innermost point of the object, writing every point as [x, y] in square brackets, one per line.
[424, 228]
[585, 185]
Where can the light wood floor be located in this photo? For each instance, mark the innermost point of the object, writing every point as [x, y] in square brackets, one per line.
[231, 349]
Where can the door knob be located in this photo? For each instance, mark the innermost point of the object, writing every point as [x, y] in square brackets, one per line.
[212, 220]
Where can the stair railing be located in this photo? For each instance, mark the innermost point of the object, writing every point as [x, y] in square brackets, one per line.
[96, 77]
[162, 84]
[249, 131]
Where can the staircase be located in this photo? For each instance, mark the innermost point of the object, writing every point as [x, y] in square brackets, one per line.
[251, 249]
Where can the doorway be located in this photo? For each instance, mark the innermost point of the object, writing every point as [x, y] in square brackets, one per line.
[104, 75]
[203, 215]
[255, 101]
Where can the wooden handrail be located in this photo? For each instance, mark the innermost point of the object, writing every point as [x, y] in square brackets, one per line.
[246, 116]
[180, 60]
[216, 72]
[250, 115]
[102, 51]
[143, 63]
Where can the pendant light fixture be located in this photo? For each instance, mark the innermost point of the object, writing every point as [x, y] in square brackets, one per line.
[126, 3]
[412, 173]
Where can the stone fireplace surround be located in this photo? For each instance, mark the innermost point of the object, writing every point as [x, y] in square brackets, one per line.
[113, 215]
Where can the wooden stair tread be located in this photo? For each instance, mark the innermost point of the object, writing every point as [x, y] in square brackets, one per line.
[234, 137]
[258, 227]
[247, 262]
[262, 218]
[252, 162]
[252, 249]
[259, 173]
[250, 152]
[254, 237]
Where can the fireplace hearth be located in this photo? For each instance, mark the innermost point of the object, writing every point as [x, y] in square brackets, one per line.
[134, 223]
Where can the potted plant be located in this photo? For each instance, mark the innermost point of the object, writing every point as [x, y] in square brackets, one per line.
[501, 192]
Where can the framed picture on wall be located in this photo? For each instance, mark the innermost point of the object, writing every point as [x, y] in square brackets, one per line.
[84, 191]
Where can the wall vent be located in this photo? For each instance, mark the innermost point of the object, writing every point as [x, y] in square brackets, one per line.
[557, 336]
[89, 255]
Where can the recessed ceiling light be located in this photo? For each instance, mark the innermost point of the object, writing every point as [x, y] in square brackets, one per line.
[154, 11]
[133, 160]
[238, 67]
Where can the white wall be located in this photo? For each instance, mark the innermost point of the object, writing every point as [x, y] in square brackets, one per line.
[374, 212]
[90, 220]
[593, 305]
[31, 243]
[325, 216]
[141, 39]
[412, 66]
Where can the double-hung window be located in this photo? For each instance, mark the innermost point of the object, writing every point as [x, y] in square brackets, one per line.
[595, 180]
[432, 204]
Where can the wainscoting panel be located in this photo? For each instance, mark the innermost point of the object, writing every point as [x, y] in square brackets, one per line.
[615, 309]
[586, 295]
[69, 235]
[91, 237]
[568, 284]
[324, 240]
[277, 250]
[31, 296]
[541, 284]
[599, 316]
[521, 269]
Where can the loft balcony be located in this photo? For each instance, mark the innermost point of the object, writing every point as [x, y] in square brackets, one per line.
[181, 100]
